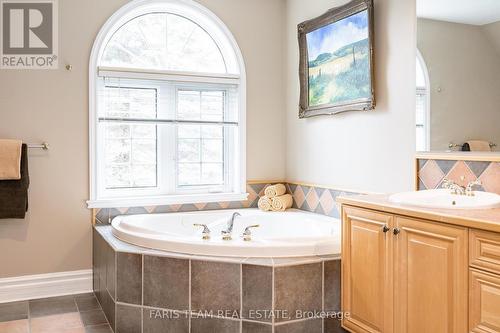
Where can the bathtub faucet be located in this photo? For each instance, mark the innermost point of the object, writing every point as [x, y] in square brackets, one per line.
[226, 234]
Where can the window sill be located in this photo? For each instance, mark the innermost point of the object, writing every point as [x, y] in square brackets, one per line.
[166, 200]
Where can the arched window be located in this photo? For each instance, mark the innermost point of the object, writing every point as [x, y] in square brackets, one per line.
[422, 105]
[167, 107]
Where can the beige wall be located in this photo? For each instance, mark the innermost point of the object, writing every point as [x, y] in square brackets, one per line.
[370, 151]
[464, 64]
[492, 32]
[53, 106]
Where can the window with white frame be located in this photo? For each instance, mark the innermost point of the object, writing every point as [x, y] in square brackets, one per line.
[167, 108]
[422, 106]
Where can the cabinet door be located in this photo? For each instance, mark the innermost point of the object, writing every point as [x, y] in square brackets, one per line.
[484, 302]
[367, 271]
[430, 277]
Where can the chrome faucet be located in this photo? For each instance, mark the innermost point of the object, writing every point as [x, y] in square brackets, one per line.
[247, 234]
[469, 190]
[460, 190]
[205, 233]
[226, 234]
[454, 187]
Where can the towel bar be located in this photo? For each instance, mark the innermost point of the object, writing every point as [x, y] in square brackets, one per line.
[43, 145]
[454, 145]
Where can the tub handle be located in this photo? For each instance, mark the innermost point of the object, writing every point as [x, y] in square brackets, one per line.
[205, 233]
[247, 234]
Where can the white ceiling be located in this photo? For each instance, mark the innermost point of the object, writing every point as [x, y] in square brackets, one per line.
[476, 12]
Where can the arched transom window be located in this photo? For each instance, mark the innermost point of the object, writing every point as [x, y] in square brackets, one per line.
[167, 105]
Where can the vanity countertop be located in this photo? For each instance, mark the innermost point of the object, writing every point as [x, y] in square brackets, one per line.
[485, 219]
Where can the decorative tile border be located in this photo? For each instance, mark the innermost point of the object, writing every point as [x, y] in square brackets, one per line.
[315, 199]
[431, 173]
[309, 198]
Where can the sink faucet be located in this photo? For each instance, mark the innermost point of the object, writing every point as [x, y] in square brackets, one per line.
[469, 190]
[226, 234]
[454, 187]
[460, 190]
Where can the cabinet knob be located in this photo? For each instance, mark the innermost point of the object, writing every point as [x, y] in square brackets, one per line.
[396, 231]
[386, 228]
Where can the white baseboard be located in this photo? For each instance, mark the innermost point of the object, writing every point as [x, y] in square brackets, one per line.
[45, 285]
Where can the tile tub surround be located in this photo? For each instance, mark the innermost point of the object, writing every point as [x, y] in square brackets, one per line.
[311, 198]
[76, 314]
[148, 291]
[431, 173]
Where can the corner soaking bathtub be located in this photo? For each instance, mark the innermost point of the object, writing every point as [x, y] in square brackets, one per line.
[293, 233]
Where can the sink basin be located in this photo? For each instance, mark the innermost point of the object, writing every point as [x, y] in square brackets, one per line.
[442, 198]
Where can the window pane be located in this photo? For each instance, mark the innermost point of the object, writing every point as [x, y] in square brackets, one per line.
[189, 150]
[212, 105]
[188, 105]
[421, 138]
[420, 74]
[117, 151]
[201, 144]
[421, 111]
[212, 150]
[130, 150]
[166, 42]
[126, 102]
[200, 105]
[212, 173]
[189, 174]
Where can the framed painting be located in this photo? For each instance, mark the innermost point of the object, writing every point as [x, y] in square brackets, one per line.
[336, 61]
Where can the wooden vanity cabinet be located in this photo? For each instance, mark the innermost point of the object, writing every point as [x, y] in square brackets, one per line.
[484, 282]
[403, 275]
[367, 288]
[430, 277]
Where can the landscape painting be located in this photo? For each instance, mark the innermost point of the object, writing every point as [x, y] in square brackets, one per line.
[338, 53]
[336, 71]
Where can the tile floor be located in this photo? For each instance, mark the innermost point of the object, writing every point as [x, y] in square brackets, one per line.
[66, 314]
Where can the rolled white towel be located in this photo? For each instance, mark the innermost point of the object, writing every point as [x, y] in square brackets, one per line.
[275, 190]
[282, 202]
[265, 204]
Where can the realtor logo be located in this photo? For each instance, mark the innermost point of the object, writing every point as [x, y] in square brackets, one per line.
[29, 34]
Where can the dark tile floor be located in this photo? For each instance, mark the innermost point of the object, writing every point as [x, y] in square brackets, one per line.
[66, 314]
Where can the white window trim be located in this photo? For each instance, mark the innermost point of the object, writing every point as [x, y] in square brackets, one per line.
[235, 66]
[427, 91]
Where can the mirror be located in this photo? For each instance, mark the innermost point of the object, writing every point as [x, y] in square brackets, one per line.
[458, 75]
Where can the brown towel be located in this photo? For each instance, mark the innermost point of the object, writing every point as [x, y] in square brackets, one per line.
[10, 159]
[478, 145]
[14, 193]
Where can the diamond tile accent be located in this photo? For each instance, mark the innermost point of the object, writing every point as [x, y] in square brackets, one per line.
[445, 165]
[224, 205]
[298, 197]
[431, 174]
[312, 199]
[478, 167]
[461, 174]
[102, 215]
[136, 211]
[161, 209]
[291, 187]
[327, 202]
[421, 164]
[175, 208]
[491, 178]
[200, 206]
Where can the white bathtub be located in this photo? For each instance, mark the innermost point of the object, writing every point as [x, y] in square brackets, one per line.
[292, 233]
